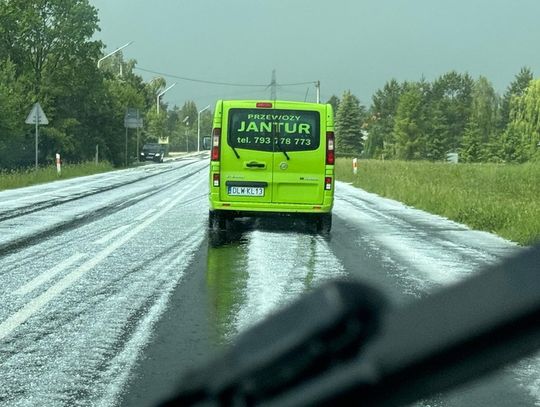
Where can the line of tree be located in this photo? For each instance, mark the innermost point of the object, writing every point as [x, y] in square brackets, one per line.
[48, 54]
[453, 114]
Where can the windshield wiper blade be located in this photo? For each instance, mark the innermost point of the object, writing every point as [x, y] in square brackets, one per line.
[276, 135]
[281, 149]
[343, 341]
[235, 152]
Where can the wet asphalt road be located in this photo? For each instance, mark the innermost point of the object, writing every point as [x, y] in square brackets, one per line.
[111, 285]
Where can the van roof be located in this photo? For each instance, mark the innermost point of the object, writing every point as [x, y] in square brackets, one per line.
[324, 108]
[272, 102]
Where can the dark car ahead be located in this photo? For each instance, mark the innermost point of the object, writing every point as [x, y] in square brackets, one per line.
[152, 152]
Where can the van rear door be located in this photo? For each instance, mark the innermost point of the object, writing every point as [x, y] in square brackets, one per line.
[246, 155]
[273, 153]
[299, 156]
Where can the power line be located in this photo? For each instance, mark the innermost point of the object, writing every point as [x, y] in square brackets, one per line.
[222, 95]
[201, 80]
[297, 83]
[251, 85]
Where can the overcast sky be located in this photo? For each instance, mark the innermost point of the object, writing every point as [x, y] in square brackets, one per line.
[346, 44]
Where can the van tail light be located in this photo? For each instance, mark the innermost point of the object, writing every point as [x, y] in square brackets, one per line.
[328, 183]
[215, 179]
[330, 158]
[216, 137]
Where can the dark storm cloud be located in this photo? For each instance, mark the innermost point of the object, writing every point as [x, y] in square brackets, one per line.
[346, 44]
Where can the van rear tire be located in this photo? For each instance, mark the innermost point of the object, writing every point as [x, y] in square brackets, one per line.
[217, 220]
[324, 223]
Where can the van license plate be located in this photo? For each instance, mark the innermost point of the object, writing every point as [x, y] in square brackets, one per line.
[246, 191]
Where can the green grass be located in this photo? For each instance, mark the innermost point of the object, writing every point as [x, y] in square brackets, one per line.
[31, 176]
[499, 198]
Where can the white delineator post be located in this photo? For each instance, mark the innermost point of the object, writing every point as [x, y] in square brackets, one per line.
[355, 166]
[58, 164]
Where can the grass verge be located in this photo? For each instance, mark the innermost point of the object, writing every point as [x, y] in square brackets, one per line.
[501, 199]
[30, 176]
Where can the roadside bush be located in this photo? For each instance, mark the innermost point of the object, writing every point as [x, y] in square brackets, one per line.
[24, 177]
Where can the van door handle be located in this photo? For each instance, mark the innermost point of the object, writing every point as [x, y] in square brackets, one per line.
[254, 164]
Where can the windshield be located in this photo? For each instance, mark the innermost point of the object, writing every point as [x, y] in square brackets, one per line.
[269, 130]
[172, 173]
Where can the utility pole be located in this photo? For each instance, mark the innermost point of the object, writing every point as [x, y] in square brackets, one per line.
[186, 121]
[273, 86]
[126, 151]
[318, 87]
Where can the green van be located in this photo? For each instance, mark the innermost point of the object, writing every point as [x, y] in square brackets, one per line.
[272, 157]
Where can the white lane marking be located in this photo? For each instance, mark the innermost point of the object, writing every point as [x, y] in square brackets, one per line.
[111, 235]
[48, 275]
[146, 214]
[171, 270]
[164, 202]
[32, 307]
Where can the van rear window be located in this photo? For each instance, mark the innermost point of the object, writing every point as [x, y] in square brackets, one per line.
[274, 129]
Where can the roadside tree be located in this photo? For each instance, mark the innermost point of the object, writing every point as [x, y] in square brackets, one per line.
[334, 101]
[521, 140]
[516, 88]
[410, 124]
[450, 103]
[481, 142]
[349, 121]
[381, 120]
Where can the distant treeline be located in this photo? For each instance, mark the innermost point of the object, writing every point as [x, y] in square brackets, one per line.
[453, 114]
[48, 55]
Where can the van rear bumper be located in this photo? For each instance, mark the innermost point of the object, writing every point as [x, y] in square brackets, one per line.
[250, 207]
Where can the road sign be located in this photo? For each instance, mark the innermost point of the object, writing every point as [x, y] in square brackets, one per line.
[37, 115]
[132, 120]
[133, 123]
